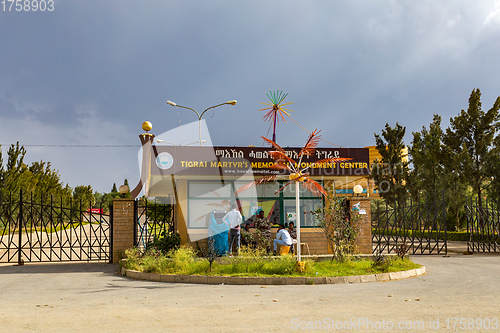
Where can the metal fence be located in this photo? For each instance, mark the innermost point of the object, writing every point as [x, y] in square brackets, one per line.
[48, 229]
[417, 227]
[154, 218]
[483, 226]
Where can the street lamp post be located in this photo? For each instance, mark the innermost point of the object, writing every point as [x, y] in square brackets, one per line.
[233, 102]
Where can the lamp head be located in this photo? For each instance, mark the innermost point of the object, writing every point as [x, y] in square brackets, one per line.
[358, 189]
[233, 102]
[123, 189]
[171, 103]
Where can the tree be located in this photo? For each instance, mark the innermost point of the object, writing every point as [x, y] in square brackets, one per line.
[15, 175]
[46, 181]
[434, 172]
[493, 188]
[391, 172]
[84, 195]
[426, 154]
[470, 139]
[39, 178]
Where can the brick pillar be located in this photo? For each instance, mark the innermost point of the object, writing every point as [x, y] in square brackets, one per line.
[364, 240]
[123, 226]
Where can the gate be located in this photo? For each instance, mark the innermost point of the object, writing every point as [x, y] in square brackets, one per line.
[414, 228]
[483, 226]
[47, 229]
[153, 218]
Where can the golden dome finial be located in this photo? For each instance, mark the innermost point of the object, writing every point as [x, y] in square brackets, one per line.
[147, 126]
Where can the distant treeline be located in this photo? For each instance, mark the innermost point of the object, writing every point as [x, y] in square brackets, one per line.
[39, 181]
[461, 160]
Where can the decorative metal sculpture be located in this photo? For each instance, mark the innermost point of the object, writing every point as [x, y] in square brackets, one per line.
[276, 109]
[296, 174]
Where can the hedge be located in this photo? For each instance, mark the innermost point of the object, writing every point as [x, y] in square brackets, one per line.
[461, 236]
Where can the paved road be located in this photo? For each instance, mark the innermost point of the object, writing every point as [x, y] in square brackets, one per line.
[91, 297]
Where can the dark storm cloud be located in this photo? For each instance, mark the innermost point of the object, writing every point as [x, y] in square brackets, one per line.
[350, 66]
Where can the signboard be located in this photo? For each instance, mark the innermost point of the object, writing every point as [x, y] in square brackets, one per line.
[236, 161]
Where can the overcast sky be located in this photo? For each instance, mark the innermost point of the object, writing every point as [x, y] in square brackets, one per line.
[90, 72]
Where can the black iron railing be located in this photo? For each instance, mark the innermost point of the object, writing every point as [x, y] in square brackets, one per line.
[416, 227]
[483, 226]
[154, 217]
[51, 229]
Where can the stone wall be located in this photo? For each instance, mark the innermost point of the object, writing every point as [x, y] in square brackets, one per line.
[123, 226]
[364, 240]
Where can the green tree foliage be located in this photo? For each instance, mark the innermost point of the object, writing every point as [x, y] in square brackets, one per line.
[426, 155]
[493, 188]
[104, 200]
[84, 196]
[14, 175]
[39, 179]
[434, 173]
[470, 140]
[391, 172]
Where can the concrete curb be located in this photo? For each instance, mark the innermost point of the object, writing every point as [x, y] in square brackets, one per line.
[291, 280]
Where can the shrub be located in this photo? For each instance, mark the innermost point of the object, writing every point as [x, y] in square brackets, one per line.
[184, 261]
[182, 258]
[132, 259]
[462, 236]
[381, 263]
[338, 225]
[165, 242]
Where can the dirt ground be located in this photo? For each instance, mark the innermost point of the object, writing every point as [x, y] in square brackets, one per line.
[93, 298]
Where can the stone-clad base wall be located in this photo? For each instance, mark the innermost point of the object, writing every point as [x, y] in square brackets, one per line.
[295, 280]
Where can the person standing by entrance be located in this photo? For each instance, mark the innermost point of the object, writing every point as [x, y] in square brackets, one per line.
[233, 219]
[263, 226]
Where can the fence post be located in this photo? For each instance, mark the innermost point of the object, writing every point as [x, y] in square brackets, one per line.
[20, 232]
[445, 227]
[364, 239]
[123, 227]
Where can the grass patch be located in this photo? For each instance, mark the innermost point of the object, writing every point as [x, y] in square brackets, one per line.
[184, 261]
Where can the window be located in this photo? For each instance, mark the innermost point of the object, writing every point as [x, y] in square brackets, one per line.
[209, 189]
[207, 196]
[307, 206]
[266, 190]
